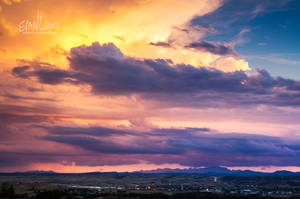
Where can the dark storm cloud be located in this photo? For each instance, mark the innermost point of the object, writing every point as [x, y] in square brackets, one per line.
[21, 71]
[177, 132]
[109, 72]
[211, 47]
[98, 145]
[45, 75]
[10, 159]
[190, 146]
[52, 76]
[108, 147]
[99, 131]
[233, 143]
[205, 46]
[93, 130]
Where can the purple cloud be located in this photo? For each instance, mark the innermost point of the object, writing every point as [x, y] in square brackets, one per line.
[190, 146]
[98, 145]
[211, 47]
[161, 44]
[110, 147]
[93, 130]
[109, 72]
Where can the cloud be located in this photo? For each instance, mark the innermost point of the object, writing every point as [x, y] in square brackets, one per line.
[108, 147]
[18, 97]
[45, 106]
[100, 145]
[202, 46]
[93, 130]
[211, 47]
[161, 44]
[51, 76]
[109, 72]
[173, 131]
[190, 146]
[21, 71]
[230, 64]
[126, 25]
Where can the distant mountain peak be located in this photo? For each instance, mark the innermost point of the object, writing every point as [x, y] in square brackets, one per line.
[220, 171]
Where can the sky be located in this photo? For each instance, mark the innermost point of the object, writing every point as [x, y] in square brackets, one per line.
[129, 85]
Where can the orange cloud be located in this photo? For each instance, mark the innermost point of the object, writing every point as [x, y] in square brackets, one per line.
[137, 22]
[230, 64]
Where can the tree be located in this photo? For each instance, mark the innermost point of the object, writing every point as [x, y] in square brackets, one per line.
[11, 191]
[6, 190]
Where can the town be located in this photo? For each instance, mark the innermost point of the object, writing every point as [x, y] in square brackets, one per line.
[132, 185]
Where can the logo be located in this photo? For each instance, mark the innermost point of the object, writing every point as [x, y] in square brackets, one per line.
[38, 26]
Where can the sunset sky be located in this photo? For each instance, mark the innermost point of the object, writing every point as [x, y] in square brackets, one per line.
[126, 85]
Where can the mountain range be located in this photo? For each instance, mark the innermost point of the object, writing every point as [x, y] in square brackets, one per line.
[209, 171]
[220, 171]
